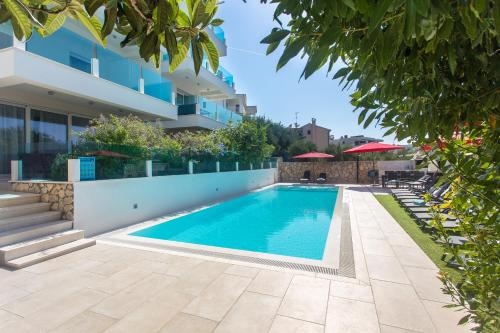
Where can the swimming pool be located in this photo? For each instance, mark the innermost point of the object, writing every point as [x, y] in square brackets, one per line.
[282, 220]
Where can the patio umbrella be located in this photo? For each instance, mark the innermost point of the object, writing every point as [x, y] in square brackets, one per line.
[313, 155]
[372, 147]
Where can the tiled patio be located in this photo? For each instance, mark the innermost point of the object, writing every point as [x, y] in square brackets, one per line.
[118, 289]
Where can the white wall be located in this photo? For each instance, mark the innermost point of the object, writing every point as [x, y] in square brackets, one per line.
[397, 165]
[105, 205]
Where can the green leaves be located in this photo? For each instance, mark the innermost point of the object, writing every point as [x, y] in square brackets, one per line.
[53, 23]
[21, 22]
[211, 51]
[180, 54]
[92, 24]
[277, 35]
[291, 50]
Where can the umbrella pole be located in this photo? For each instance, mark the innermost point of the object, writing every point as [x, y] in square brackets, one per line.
[357, 169]
[373, 168]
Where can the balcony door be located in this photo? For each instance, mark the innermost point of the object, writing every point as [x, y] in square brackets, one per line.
[11, 135]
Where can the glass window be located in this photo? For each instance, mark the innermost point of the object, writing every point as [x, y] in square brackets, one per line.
[11, 135]
[49, 132]
[80, 63]
[78, 125]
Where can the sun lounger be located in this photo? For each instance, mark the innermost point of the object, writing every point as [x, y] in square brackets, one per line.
[321, 178]
[306, 178]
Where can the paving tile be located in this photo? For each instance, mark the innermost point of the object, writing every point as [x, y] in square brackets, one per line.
[371, 233]
[216, 300]
[152, 266]
[445, 319]
[427, 284]
[413, 257]
[283, 324]
[199, 277]
[7, 317]
[56, 314]
[306, 299]
[251, 313]
[108, 268]
[121, 280]
[20, 325]
[85, 322]
[173, 298]
[400, 239]
[119, 305]
[271, 283]
[245, 271]
[179, 265]
[10, 294]
[385, 268]
[377, 247]
[352, 291]
[398, 305]
[185, 323]
[148, 317]
[345, 315]
[392, 329]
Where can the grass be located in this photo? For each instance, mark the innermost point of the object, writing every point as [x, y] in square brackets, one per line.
[434, 250]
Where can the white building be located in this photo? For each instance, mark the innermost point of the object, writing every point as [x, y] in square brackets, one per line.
[51, 87]
[352, 141]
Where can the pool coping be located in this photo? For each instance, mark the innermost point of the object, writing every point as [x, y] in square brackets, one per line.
[334, 262]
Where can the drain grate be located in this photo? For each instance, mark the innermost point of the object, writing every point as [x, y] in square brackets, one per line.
[262, 261]
[346, 263]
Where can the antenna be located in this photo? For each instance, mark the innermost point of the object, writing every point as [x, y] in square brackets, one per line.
[296, 123]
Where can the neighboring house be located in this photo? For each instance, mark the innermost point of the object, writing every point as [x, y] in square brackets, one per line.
[356, 140]
[51, 87]
[315, 134]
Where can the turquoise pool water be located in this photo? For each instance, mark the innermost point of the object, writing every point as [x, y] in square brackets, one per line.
[284, 220]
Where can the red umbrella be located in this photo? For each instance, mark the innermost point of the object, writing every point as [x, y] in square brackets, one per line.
[313, 154]
[372, 147]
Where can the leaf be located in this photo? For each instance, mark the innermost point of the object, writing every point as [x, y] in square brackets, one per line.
[378, 14]
[362, 116]
[452, 60]
[216, 22]
[93, 5]
[211, 52]
[149, 46]
[161, 16]
[464, 319]
[369, 120]
[197, 51]
[316, 61]
[341, 72]
[21, 21]
[170, 43]
[180, 55]
[271, 47]
[53, 23]
[183, 19]
[291, 51]
[275, 36]
[110, 13]
[91, 23]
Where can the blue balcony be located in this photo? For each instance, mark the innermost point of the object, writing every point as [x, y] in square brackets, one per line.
[222, 73]
[210, 109]
[70, 49]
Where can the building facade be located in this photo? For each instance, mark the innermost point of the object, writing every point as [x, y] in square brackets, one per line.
[352, 141]
[318, 135]
[51, 87]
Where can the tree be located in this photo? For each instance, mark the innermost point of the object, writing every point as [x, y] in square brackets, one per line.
[301, 147]
[149, 24]
[427, 71]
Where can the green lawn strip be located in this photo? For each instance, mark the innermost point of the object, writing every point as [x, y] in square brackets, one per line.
[434, 250]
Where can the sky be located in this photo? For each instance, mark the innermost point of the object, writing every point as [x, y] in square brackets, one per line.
[280, 95]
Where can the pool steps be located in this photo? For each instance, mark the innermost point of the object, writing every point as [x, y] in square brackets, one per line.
[31, 233]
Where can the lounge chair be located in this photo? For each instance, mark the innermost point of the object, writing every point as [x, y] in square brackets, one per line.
[306, 178]
[321, 178]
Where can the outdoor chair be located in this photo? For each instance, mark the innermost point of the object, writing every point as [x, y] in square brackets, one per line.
[321, 178]
[306, 178]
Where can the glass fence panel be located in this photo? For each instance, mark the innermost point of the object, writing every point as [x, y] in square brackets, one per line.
[156, 85]
[5, 36]
[117, 69]
[225, 166]
[65, 47]
[244, 166]
[204, 165]
[208, 108]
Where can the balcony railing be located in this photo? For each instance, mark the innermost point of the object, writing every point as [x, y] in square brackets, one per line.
[210, 110]
[222, 73]
[70, 49]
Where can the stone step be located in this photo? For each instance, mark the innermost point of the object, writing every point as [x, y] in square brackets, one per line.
[20, 210]
[8, 199]
[49, 253]
[31, 232]
[28, 220]
[25, 248]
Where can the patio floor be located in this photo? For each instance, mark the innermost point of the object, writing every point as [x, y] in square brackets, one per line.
[119, 289]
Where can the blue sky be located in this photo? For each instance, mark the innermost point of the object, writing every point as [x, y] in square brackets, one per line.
[278, 95]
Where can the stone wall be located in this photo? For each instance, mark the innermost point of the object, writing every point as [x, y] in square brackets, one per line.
[336, 172]
[58, 194]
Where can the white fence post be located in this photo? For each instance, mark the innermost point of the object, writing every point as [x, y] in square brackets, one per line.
[262, 165]
[16, 170]
[149, 168]
[251, 166]
[270, 164]
[74, 170]
[217, 166]
[190, 167]
[237, 166]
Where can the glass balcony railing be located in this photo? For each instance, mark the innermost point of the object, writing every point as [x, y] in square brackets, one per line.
[217, 112]
[5, 36]
[222, 73]
[70, 49]
[219, 33]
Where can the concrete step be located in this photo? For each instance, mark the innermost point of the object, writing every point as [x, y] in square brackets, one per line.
[28, 220]
[31, 232]
[8, 199]
[25, 248]
[19, 210]
[49, 253]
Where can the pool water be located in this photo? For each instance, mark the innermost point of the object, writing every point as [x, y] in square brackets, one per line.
[283, 220]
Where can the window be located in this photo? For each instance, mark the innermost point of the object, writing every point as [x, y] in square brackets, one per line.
[78, 125]
[49, 132]
[11, 135]
[308, 132]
